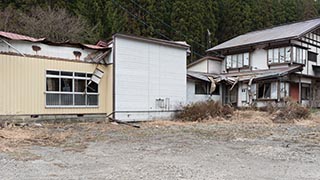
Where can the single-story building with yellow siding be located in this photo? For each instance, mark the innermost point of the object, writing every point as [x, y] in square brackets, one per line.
[129, 78]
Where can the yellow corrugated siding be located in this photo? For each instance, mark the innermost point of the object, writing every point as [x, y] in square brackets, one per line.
[23, 85]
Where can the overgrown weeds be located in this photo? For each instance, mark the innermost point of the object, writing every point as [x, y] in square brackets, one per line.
[204, 110]
[287, 111]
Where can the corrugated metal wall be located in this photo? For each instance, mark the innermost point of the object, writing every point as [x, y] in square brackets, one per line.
[23, 83]
[149, 77]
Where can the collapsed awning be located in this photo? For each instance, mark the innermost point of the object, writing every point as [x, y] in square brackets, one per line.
[233, 78]
[198, 76]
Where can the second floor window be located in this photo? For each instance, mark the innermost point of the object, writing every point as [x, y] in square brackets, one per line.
[284, 55]
[237, 60]
[279, 55]
[299, 55]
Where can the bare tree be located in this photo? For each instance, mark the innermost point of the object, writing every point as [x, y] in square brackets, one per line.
[54, 24]
[8, 19]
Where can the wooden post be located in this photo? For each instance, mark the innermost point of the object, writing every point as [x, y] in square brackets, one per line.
[300, 100]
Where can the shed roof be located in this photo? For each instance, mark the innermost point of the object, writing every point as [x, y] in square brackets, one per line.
[278, 33]
[198, 75]
[19, 37]
[179, 44]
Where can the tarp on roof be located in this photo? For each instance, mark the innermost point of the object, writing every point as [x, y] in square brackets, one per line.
[289, 31]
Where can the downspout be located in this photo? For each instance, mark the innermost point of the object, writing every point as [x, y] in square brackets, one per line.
[114, 77]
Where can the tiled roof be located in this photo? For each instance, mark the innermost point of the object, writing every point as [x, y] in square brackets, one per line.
[284, 32]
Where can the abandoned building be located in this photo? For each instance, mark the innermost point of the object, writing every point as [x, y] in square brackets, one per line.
[128, 77]
[263, 66]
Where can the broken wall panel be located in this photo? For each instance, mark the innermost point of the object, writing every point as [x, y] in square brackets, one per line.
[50, 51]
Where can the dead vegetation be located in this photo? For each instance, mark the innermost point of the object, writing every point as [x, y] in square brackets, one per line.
[200, 111]
[76, 136]
[72, 137]
[14, 137]
[287, 112]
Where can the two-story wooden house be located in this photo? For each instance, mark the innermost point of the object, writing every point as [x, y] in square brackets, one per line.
[261, 66]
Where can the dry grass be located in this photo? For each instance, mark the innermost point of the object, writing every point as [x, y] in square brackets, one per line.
[75, 137]
[12, 138]
[251, 117]
[69, 136]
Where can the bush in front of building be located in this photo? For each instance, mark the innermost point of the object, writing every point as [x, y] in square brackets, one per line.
[204, 110]
[288, 112]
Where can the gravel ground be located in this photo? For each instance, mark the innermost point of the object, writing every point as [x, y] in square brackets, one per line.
[169, 150]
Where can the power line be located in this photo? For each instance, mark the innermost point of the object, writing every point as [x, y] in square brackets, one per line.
[137, 18]
[143, 22]
[164, 23]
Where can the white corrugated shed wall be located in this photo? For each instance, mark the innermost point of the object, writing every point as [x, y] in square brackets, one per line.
[145, 72]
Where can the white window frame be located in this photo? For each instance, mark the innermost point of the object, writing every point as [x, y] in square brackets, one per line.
[300, 55]
[73, 77]
[274, 55]
[235, 61]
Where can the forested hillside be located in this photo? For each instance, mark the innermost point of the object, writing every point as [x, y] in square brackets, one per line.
[202, 23]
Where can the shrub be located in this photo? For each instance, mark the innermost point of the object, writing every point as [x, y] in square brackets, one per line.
[203, 110]
[288, 112]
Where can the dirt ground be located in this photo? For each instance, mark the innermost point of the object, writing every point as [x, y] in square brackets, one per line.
[248, 146]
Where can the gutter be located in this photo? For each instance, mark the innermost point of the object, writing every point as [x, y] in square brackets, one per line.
[114, 77]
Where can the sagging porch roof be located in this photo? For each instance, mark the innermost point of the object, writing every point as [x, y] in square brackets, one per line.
[247, 75]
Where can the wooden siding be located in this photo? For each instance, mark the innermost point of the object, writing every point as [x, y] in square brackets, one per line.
[23, 86]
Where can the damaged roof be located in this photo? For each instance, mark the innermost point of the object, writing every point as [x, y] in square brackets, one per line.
[247, 75]
[19, 37]
[278, 33]
[198, 75]
[265, 74]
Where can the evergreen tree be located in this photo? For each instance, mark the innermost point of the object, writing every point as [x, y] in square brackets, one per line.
[202, 23]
